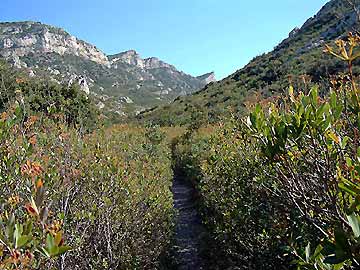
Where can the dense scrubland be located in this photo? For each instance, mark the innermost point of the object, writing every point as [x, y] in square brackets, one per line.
[102, 193]
[277, 188]
[280, 188]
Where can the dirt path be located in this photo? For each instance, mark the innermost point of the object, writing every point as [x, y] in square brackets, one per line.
[189, 230]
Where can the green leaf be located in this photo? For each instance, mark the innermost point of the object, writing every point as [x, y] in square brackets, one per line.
[307, 252]
[344, 142]
[54, 251]
[334, 137]
[333, 100]
[252, 120]
[314, 95]
[17, 233]
[10, 228]
[62, 250]
[22, 241]
[18, 111]
[348, 161]
[349, 187]
[44, 252]
[317, 252]
[354, 222]
[49, 242]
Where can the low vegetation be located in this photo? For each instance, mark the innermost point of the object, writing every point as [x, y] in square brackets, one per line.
[278, 188]
[74, 199]
[281, 187]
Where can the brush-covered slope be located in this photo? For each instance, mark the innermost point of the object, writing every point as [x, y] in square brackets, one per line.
[123, 83]
[299, 59]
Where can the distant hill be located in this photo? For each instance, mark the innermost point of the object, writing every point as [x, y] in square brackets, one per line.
[299, 60]
[123, 83]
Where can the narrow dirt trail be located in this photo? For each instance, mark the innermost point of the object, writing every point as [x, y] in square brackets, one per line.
[189, 230]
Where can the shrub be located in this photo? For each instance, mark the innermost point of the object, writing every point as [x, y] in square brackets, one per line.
[109, 190]
[49, 98]
[31, 236]
[312, 144]
[123, 206]
[285, 180]
[237, 203]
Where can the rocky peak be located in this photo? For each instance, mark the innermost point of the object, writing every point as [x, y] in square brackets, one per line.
[153, 62]
[294, 32]
[21, 39]
[207, 78]
[130, 57]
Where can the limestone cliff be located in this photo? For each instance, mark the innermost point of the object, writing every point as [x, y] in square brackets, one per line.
[115, 80]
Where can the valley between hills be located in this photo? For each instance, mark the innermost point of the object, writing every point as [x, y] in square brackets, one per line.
[121, 162]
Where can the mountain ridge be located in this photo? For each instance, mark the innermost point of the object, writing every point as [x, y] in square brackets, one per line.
[298, 60]
[46, 50]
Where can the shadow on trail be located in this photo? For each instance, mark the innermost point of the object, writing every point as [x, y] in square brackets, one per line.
[189, 231]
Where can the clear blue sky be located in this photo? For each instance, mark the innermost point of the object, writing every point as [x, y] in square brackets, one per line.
[197, 36]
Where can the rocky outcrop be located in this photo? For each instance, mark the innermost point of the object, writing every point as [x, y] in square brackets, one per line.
[207, 78]
[153, 62]
[294, 32]
[23, 39]
[81, 81]
[126, 100]
[130, 57]
[133, 58]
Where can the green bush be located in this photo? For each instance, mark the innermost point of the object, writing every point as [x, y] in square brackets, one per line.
[312, 144]
[50, 98]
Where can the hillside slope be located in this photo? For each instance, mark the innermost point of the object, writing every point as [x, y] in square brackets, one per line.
[124, 83]
[298, 58]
